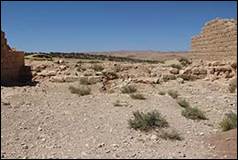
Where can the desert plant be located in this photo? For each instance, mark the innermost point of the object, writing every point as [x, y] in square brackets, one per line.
[178, 66]
[137, 96]
[148, 121]
[120, 103]
[193, 113]
[81, 90]
[84, 81]
[97, 67]
[183, 103]
[128, 89]
[162, 92]
[174, 94]
[229, 122]
[232, 86]
[184, 61]
[80, 68]
[171, 134]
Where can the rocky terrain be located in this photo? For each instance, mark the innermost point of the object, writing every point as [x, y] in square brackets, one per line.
[46, 120]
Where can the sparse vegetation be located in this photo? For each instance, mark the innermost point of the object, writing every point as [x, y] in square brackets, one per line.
[80, 68]
[162, 92]
[81, 90]
[184, 61]
[148, 121]
[193, 113]
[97, 67]
[229, 122]
[84, 81]
[137, 96]
[117, 68]
[171, 134]
[110, 75]
[233, 86]
[188, 77]
[183, 103]
[174, 94]
[39, 57]
[117, 104]
[128, 89]
[178, 66]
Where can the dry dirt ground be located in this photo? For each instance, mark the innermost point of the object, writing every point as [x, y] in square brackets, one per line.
[48, 121]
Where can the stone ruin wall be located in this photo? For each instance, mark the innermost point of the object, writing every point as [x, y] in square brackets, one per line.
[13, 68]
[218, 37]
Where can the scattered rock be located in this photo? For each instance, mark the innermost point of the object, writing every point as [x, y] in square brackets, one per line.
[174, 71]
[101, 145]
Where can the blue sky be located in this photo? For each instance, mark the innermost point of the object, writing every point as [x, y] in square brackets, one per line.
[108, 26]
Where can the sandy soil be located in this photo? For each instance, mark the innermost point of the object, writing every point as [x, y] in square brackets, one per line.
[48, 121]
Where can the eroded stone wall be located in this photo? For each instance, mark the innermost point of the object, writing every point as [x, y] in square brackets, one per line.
[13, 68]
[218, 37]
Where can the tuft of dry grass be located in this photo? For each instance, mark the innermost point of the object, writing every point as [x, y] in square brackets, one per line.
[84, 81]
[137, 96]
[162, 92]
[229, 122]
[185, 61]
[81, 90]
[233, 86]
[147, 121]
[174, 94]
[183, 103]
[97, 67]
[178, 66]
[194, 113]
[171, 134]
[128, 89]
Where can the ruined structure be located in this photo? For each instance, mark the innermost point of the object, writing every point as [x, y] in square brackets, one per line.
[13, 69]
[218, 37]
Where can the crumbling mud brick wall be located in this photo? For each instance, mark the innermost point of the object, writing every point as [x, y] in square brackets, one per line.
[13, 68]
[218, 37]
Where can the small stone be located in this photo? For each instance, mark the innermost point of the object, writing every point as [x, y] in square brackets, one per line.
[116, 155]
[101, 145]
[108, 151]
[201, 134]
[133, 155]
[25, 147]
[153, 137]
[39, 129]
[228, 139]
[115, 145]
[84, 154]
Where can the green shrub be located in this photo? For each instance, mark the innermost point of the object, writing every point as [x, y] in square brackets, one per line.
[81, 90]
[137, 96]
[128, 89]
[174, 94]
[148, 121]
[183, 103]
[193, 113]
[229, 122]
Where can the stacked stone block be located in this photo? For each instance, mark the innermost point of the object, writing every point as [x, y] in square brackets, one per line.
[13, 68]
[218, 37]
